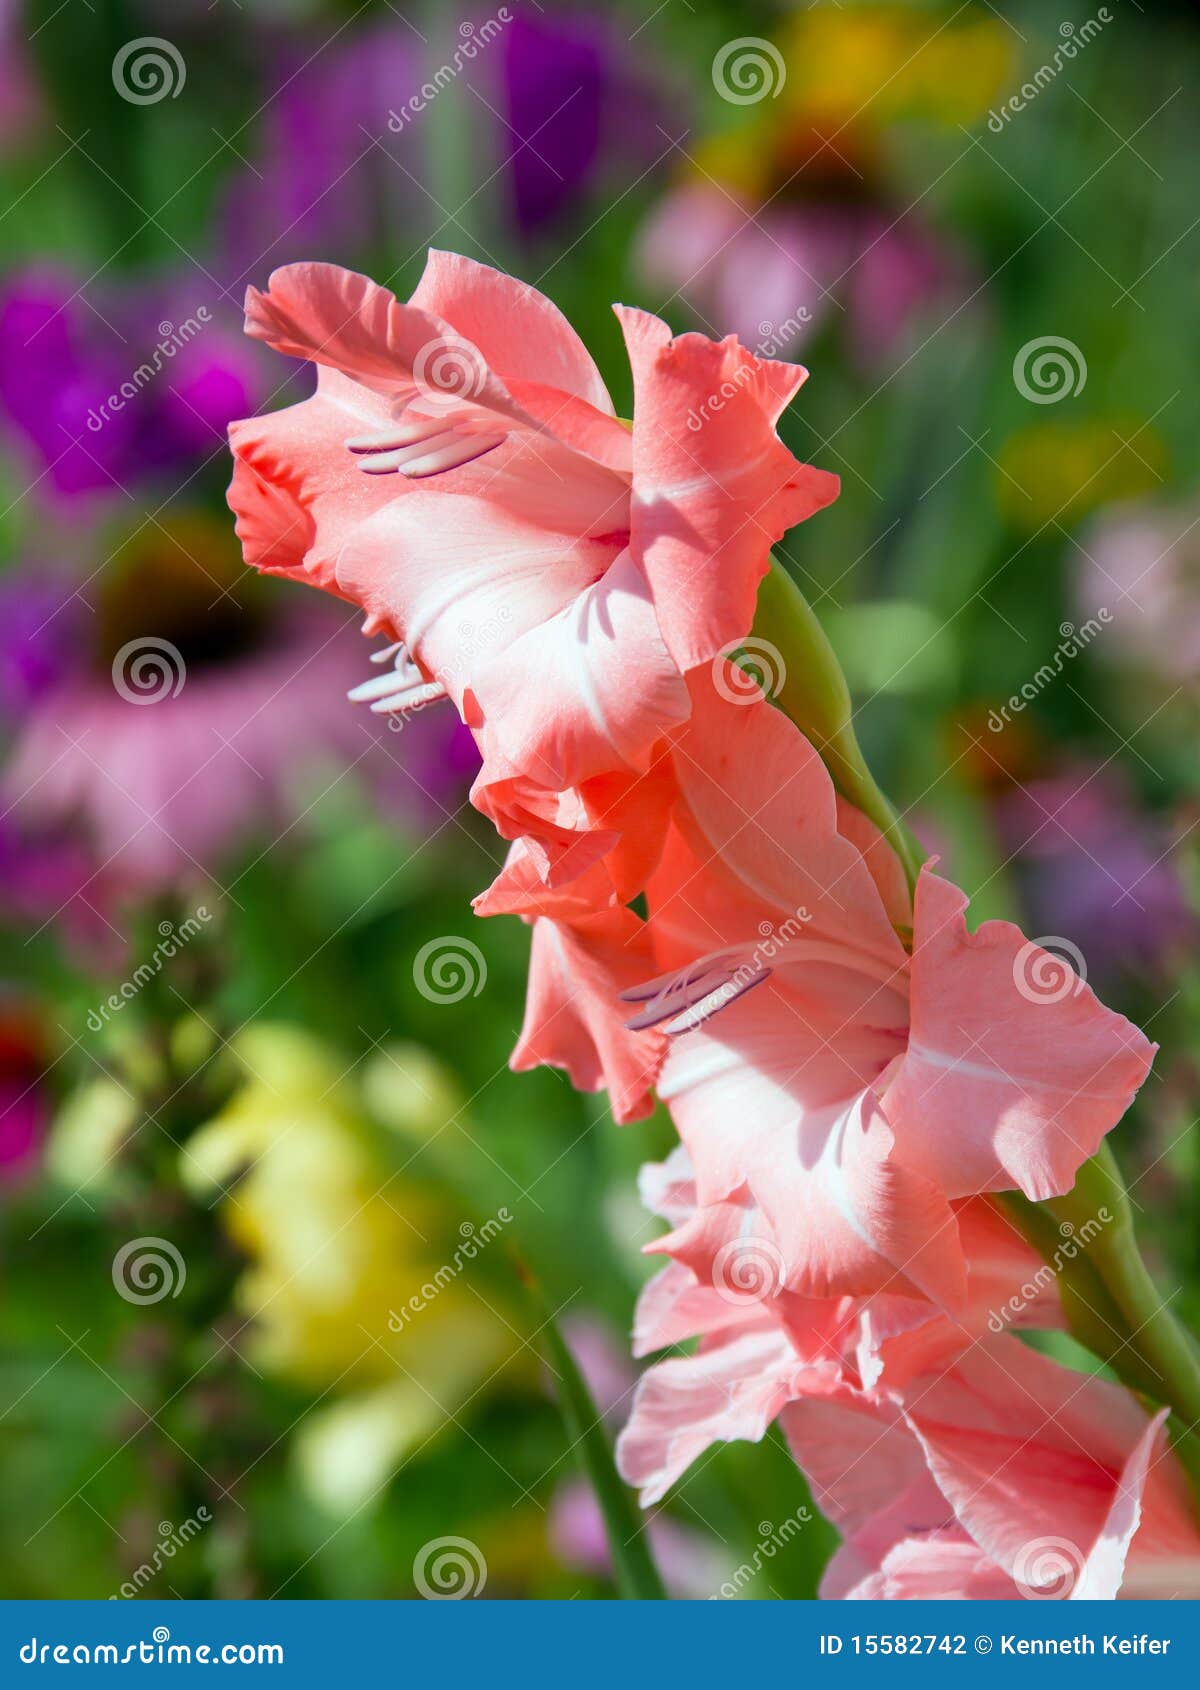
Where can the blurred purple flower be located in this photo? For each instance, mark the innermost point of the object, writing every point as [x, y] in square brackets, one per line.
[1096, 870]
[341, 160]
[106, 393]
[320, 182]
[577, 105]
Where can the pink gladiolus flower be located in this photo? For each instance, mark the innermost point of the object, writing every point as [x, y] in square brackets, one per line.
[763, 1347]
[870, 1088]
[1004, 1475]
[461, 476]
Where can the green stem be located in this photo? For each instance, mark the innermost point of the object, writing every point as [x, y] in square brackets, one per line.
[812, 690]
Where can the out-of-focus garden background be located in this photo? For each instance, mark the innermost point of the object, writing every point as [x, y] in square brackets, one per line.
[267, 1188]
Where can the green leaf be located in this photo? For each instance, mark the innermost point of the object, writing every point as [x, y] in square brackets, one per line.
[633, 1565]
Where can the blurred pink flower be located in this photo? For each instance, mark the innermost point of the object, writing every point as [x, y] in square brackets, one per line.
[1141, 565]
[776, 273]
[149, 759]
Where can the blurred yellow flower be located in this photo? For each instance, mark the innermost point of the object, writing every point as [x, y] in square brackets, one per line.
[879, 63]
[357, 1276]
[1058, 470]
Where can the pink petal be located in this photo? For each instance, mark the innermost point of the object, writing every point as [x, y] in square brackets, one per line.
[572, 1018]
[1014, 1071]
[732, 1389]
[714, 487]
[587, 690]
[520, 332]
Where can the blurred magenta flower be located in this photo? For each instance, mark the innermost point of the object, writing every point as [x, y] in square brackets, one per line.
[105, 392]
[1096, 869]
[187, 721]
